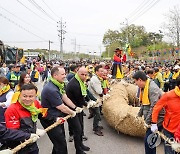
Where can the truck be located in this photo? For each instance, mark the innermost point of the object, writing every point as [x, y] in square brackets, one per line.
[10, 55]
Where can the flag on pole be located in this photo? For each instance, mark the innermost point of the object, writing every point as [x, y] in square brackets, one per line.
[129, 50]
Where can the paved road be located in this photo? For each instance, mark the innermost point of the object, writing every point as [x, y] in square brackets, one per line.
[110, 143]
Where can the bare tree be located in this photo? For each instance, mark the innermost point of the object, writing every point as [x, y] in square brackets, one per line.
[172, 25]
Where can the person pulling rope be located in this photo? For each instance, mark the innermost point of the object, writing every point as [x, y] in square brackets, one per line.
[59, 121]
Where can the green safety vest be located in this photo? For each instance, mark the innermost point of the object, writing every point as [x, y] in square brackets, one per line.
[14, 79]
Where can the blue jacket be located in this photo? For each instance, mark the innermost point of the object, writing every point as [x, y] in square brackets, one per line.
[12, 134]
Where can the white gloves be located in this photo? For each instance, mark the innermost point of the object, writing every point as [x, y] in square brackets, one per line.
[61, 120]
[40, 132]
[167, 81]
[78, 109]
[99, 101]
[34, 137]
[91, 104]
[105, 97]
[113, 81]
[154, 127]
[73, 114]
[109, 76]
[2, 104]
[7, 151]
[111, 89]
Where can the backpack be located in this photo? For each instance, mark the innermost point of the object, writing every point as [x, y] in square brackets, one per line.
[34, 78]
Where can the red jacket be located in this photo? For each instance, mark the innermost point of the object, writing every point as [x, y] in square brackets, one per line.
[177, 134]
[118, 59]
[171, 102]
[17, 117]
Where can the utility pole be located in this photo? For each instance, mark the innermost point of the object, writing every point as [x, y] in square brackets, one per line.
[49, 50]
[61, 32]
[74, 43]
[79, 47]
[127, 24]
[100, 50]
[127, 32]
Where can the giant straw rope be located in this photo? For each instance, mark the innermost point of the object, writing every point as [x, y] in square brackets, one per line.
[119, 112]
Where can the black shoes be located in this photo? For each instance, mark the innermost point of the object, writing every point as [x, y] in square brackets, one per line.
[85, 148]
[98, 128]
[99, 133]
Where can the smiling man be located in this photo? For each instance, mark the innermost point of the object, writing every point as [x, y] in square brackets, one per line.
[55, 99]
[95, 87]
[23, 115]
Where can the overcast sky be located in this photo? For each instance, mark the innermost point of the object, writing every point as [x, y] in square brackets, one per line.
[31, 23]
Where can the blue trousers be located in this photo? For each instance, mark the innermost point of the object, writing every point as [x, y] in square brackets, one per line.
[167, 148]
[148, 149]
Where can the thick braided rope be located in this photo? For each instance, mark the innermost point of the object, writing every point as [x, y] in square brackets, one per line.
[165, 138]
[29, 141]
[175, 146]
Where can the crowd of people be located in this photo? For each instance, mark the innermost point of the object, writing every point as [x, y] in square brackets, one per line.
[71, 86]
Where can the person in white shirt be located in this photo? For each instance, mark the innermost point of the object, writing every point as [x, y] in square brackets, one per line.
[95, 87]
[4, 70]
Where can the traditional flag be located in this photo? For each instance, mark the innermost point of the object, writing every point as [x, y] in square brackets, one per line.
[129, 50]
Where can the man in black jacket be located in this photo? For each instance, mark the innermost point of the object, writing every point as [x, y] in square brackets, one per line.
[73, 70]
[54, 98]
[76, 90]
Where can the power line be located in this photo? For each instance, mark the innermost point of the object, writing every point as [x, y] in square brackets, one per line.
[34, 12]
[144, 11]
[25, 41]
[41, 9]
[21, 27]
[96, 35]
[89, 45]
[50, 9]
[21, 19]
[137, 9]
